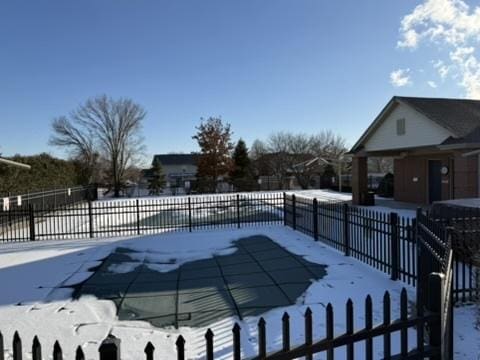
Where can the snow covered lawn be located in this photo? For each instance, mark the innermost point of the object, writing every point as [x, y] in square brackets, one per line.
[36, 299]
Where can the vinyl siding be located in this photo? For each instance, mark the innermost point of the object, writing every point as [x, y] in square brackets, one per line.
[419, 131]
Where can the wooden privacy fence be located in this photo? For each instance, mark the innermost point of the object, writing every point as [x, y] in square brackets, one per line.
[385, 241]
[353, 334]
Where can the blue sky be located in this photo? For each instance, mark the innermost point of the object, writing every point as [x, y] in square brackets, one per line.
[264, 66]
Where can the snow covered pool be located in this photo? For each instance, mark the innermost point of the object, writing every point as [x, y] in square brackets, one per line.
[257, 276]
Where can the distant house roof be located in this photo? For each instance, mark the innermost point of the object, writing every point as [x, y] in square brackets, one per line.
[176, 159]
[459, 116]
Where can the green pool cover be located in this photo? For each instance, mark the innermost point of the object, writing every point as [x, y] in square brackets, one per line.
[258, 276]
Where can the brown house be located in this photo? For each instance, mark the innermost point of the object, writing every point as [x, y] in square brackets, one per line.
[435, 144]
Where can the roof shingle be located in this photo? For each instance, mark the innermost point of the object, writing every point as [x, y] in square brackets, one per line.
[177, 159]
[460, 116]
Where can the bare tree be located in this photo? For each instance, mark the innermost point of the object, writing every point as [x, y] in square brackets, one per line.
[258, 149]
[300, 155]
[81, 144]
[103, 127]
[380, 165]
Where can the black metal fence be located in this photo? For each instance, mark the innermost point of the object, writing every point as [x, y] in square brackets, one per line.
[354, 334]
[386, 241]
[435, 279]
[17, 213]
[464, 229]
[141, 216]
[417, 253]
[50, 198]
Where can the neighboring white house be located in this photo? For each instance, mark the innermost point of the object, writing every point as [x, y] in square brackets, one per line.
[180, 171]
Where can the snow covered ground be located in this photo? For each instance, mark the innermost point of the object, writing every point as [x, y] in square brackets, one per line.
[322, 195]
[467, 332]
[32, 275]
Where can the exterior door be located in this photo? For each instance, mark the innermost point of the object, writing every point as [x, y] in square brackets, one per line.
[434, 180]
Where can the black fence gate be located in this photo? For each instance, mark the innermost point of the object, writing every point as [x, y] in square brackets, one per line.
[435, 276]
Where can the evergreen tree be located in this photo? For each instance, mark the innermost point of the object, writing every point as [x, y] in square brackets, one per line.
[241, 174]
[156, 182]
[213, 137]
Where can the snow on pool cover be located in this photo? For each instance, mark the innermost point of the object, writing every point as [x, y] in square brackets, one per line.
[258, 276]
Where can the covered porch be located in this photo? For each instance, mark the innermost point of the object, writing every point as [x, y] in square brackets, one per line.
[421, 175]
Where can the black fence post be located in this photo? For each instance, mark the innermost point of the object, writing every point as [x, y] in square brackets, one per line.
[238, 210]
[420, 285]
[236, 342]
[17, 347]
[31, 218]
[149, 351]
[308, 333]
[350, 328]
[2, 354]
[434, 305]
[262, 339]
[346, 230]
[110, 348]
[189, 214]
[180, 348]
[285, 332]
[36, 349]
[294, 213]
[329, 329]
[79, 355]
[285, 209]
[315, 219]
[90, 219]
[394, 246]
[95, 192]
[137, 203]
[209, 344]
[57, 351]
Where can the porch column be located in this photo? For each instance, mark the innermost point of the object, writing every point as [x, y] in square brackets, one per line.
[359, 180]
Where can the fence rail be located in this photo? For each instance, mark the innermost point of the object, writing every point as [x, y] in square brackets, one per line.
[418, 253]
[386, 241]
[49, 198]
[140, 216]
[366, 333]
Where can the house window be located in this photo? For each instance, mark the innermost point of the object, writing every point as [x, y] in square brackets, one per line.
[401, 127]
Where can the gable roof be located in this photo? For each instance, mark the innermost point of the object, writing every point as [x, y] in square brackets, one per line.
[459, 116]
[176, 159]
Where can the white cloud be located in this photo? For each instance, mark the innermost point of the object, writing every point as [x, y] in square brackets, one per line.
[442, 69]
[410, 39]
[469, 68]
[432, 84]
[400, 77]
[450, 25]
